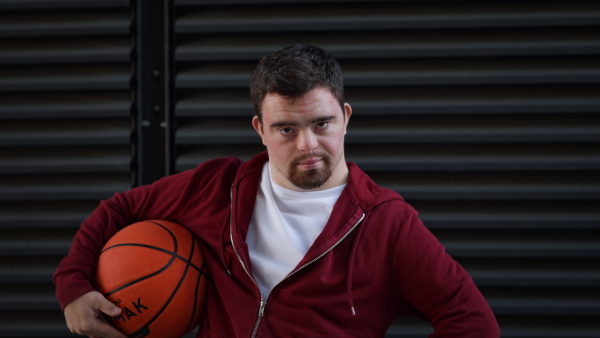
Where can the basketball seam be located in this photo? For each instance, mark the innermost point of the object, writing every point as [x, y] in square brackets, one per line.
[181, 280]
[126, 285]
[199, 280]
[173, 256]
[171, 253]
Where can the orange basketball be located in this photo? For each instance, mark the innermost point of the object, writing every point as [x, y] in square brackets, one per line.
[154, 272]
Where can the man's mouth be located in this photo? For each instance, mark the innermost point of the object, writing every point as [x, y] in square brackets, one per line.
[309, 163]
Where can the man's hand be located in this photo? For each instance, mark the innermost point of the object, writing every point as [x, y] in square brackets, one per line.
[83, 316]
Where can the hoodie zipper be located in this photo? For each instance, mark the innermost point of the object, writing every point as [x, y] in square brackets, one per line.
[263, 301]
[326, 251]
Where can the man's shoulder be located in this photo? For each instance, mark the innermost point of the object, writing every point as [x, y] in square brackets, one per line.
[369, 192]
[220, 163]
[222, 167]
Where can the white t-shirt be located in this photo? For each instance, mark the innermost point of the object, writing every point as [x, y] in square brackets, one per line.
[284, 224]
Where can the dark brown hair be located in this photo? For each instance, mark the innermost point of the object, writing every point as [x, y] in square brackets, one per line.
[294, 71]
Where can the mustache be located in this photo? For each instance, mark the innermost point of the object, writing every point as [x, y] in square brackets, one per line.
[307, 156]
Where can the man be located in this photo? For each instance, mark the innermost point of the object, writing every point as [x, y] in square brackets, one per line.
[298, 241]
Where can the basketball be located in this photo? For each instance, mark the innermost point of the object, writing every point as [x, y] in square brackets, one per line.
[154, 272]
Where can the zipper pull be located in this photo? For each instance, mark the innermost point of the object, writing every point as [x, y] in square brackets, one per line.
[261, 309]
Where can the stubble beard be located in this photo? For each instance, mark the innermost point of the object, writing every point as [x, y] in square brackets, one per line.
[313, 178]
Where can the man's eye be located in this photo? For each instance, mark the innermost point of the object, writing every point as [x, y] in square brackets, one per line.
[322, 125]
[285, 131]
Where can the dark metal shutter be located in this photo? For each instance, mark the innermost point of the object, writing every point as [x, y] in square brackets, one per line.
[483, 115]
[65, 125]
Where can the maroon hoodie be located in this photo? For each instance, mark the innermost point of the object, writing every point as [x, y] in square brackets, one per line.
[373, 261]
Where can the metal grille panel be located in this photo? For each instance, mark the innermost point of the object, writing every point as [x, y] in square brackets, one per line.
[65, 142]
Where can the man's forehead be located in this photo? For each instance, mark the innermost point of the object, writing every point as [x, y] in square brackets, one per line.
[284, 116]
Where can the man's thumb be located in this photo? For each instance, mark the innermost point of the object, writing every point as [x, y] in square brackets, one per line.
[108, 308]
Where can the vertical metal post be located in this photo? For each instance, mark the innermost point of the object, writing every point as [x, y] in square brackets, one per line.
[152, 141]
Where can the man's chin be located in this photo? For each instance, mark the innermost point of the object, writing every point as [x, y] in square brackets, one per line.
[309, 179]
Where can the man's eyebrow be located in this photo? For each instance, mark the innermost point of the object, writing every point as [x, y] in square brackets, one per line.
[283, 124]
[294, 123]
[323, 118]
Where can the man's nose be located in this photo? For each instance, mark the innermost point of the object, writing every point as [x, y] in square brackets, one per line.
[307, 141]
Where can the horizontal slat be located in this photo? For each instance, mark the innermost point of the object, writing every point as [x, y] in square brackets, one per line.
[27, 300]
[389, 16]
[471, 135]
[499, 191]
[33, 274]
[468, 77]
[515, 245]
[65, 52]
[553, 329]
[509, 278]
[482, 129]
[478, 106]
[62, 189]
[545, 326]
[35, 219]
[543, 332]
[82, 105]
[545, 305]
[22, 328]
[34, 247]
[488, 215]
[259, 2]
[476, 163]
[18, 324]
[56, 4]
[62, 82]
[65, 133]
[483, 48]
[339, 23]
[511, 220]
[61, 24]
[533, 274]
[65, 160]
[103, 109]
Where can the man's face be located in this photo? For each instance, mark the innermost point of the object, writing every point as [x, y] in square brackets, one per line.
[305, 139]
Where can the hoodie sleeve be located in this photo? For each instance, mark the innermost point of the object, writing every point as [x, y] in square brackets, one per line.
[160, 200]
[435, 286]
[165, 199]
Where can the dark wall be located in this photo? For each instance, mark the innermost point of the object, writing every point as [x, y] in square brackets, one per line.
[483, 115]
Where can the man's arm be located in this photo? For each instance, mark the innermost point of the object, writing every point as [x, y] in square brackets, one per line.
[166, 199]
[438, 287]
[160, 200]
[83, 306]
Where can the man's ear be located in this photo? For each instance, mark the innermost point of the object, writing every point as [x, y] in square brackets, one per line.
[259, 128]
[347, 114]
